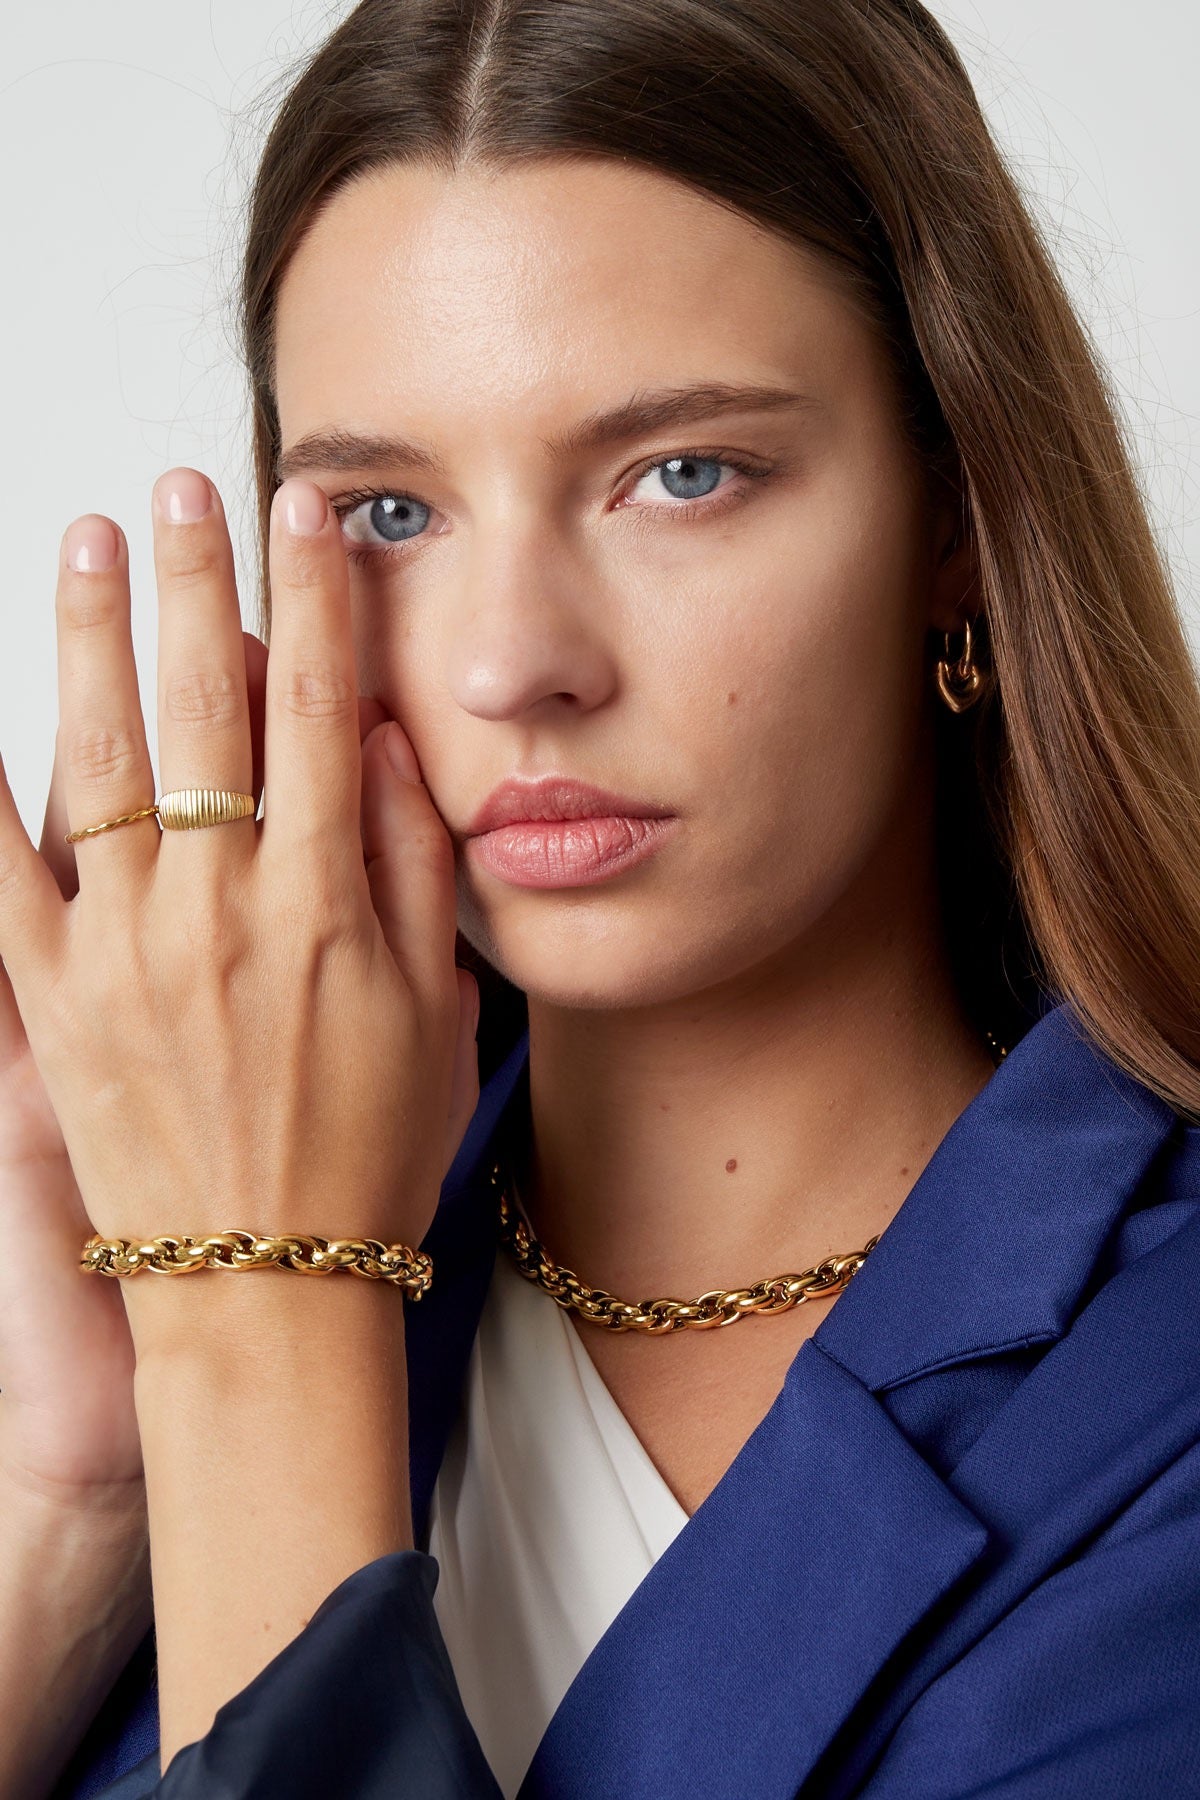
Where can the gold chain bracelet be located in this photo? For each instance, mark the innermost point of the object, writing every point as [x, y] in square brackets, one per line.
[410, 1269]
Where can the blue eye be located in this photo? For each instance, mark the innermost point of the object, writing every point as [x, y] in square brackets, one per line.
[378, 519]
[682, 470]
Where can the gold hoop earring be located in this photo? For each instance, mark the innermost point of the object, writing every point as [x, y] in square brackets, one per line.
[960, 683]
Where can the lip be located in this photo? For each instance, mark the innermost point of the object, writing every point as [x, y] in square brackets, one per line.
[558, 832]
[556, 797]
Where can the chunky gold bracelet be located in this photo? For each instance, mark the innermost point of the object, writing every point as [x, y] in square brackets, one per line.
[410, 1269]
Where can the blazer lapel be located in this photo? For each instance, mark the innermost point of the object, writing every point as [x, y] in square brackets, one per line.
[825, 1542]
[994, 1244]
[830, 1537]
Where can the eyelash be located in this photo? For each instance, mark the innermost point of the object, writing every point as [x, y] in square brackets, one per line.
[731, 495]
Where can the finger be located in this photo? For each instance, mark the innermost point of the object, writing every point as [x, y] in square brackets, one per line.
[106, 765]
[255, 652]
[410, 865]
[313, 754]
[371, 712]
[58, 855]
[203, 706]
[464, 1095]
[13, 1040]
[32, 910]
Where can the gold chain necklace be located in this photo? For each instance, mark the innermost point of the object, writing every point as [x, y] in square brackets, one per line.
[721, 1306]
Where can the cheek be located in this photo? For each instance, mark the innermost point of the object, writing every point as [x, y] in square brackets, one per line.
[797, 691]
[385, 654]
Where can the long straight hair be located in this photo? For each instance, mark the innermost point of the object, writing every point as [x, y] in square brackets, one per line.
[1069, 798]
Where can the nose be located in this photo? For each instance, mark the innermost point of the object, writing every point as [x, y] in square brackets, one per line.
[529, 630]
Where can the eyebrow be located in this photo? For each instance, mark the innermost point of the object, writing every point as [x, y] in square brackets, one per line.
[641, 413]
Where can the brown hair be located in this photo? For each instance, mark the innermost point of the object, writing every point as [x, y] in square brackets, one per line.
[1069, 798]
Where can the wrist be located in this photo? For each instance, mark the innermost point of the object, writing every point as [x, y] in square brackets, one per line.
[92, 1543]
[272, 1410]
[93, 1516]
[75, 1602]
[225, 1320]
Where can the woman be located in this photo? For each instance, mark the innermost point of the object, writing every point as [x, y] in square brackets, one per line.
[677, 400]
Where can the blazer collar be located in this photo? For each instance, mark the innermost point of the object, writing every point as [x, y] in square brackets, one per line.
[992, 1247]
[830, 1536]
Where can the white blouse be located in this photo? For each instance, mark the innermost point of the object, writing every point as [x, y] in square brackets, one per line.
[546, 1514]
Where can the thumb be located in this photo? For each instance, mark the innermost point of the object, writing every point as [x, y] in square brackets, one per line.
[409, 858]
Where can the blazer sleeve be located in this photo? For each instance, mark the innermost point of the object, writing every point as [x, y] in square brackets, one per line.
[363, 1702]
[1090, 1685]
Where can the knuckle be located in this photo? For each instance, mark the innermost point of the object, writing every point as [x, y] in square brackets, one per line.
[321, 913]
[214, 941]
[318, 692]
[85, 606]
[307, 567]
[332, 914]
[192, 560]
[103, 753]
[203, 697]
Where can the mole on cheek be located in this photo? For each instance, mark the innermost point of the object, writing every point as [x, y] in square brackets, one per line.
[731, 1165]
[731, 700]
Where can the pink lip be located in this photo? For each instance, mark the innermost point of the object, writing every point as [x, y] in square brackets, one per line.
[558, 832]
[557, 797]
[568, 852]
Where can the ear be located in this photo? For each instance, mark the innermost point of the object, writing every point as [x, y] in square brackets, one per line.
[954, 576]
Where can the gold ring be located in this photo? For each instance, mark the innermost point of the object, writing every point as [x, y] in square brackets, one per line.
[184, 809]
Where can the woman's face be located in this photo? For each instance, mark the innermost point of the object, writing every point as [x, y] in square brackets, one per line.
[722, 613]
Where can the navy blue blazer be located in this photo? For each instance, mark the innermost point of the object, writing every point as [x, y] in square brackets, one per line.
[959, 1556]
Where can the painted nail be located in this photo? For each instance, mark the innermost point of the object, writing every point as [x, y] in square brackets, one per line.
[92, 545]
[400, 753]
[182, 496]
[304, 506]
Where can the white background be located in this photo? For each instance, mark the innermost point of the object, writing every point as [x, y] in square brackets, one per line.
[127, 137]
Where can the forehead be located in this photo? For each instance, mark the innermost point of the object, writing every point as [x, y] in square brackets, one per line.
[420, 291]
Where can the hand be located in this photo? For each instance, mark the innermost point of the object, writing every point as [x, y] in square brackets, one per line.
[258, 1025]
[69, 1430]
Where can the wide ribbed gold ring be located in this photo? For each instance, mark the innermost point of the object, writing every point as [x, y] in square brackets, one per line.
[184, 809]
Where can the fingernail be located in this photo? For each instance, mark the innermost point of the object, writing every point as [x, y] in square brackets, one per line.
[304, 506]
[92, 545]
[400, 754]
[182, 496]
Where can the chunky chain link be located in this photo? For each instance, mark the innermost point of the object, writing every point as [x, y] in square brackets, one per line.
[409, 1269]
[720, 1306]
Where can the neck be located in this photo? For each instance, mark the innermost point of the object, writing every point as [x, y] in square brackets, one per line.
[736, 1136]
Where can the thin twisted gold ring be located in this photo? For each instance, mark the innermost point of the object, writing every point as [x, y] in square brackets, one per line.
[184, 809]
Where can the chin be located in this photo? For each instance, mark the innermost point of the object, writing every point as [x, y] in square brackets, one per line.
[576, 958]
